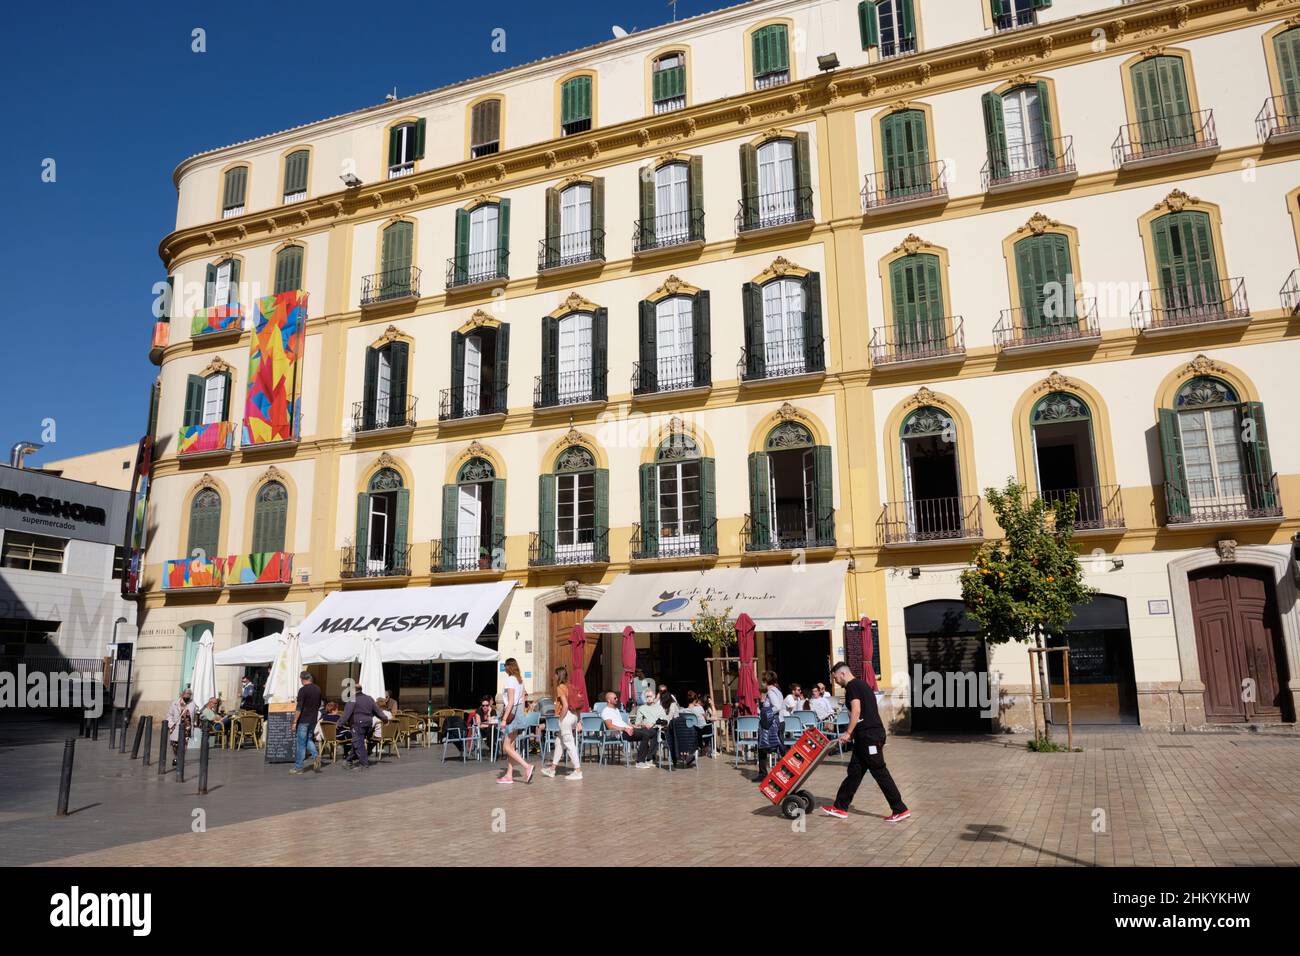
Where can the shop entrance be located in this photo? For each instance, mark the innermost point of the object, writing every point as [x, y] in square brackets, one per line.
[798, 657]
[947, 669]
[1102, 686]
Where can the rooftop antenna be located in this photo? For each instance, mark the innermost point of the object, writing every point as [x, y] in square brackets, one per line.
[673, 4]
[391, 97]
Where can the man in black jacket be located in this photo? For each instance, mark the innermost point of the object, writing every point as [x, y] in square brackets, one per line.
[359, 715]
[866, 734]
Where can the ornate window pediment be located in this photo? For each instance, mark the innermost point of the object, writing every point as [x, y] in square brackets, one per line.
[575, 458]
[386, 479]
[789, 434]
[1202, 391]
[476, 470]
[1059, 407]
[927, 420]
[677, 447]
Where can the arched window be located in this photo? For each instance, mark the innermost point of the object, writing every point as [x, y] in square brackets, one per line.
[576, 105]
[776, 183]
[783, 334]
[674, 349]
[221, 285]
[396, 259]
[770, 56]
[1019, 129]
[485, 128]
[1163, 103]
[573, 511]
[887, 26]
[270, 515]
[234, 188]
[790, 492]
[1045, 274]
[678, 506]
[473, 519]
[1065, 457]
[288, 269]
[405, 147]
[1188, 268]
[482, 244]
[383, 515]
[916, 292]
[668, 82]
[931, 476]
[205, 525]
[385, 401]
[295, 175]
[1286, 54]
[905, 149]
[207, 399]
[1009, 14]
[574, 353]
[671, 204]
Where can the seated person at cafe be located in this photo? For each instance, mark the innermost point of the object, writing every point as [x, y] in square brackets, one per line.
[695, 704]
[823, 705]
[212, 712]
[795, 699]
[342, 732]
[647, 738]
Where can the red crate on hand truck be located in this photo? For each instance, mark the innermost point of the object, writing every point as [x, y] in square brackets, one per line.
[784, 785]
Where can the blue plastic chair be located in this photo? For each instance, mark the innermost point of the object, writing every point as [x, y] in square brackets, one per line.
[592, 733]
[552, 732]
[466, 739]
[841, 725]
[808, 718]
[746, 736]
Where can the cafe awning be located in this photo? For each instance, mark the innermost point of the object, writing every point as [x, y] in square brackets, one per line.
[412, 624]
[787, 597]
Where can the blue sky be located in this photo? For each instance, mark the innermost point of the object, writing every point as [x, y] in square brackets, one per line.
[114, 95]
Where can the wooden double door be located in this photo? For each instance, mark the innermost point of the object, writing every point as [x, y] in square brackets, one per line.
[1239, 644]
[563, 617]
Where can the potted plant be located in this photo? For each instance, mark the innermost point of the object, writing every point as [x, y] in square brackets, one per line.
[484, 559]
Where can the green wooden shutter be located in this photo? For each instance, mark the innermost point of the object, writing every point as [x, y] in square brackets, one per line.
[649, 475]
[599, 354]
[906, 152]
[552, 225]
[362, 538]
[288, 269]
[457, 375]
[814, 346]
[550, 360]
[695, 188]
[205, 530]
[503, 238]
[823, 502]
[751, 298]
[575, 100]
[269, 519]
[1286, 47]
[598, 217]
[398, 360]
[370, 390]
[1047, 128]
[1177, 103]
[647, 337]
[498, 522]
[1189, 277]
[225, 396]
[396, 257]
[930, 305]
[803, 176]
[708, 506]
[236, 179]
[1041, 4]
[402, 560]
[999, 9]
[601, 517]
[902, 295]
[1259, 462]
[995, 135]
[450, 525]
[461, 264]
[770, 51]
[232, 297]
[209, 286]
[758, 45]
[295, 172]
[419, 139]
[760, 502]
[1171, 445]
[868, 25]
[194, 388]
[546, 519]
[501, 380]
[647, 180]
[906, 20]
[1163, 106]
[668, 84]
[394, 146]
[748, 185]
[1043, 264]
[702, 336]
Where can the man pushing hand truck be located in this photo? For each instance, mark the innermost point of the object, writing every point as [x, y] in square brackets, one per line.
[866, 735]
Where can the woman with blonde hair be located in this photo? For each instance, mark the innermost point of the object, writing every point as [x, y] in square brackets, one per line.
[514, 720]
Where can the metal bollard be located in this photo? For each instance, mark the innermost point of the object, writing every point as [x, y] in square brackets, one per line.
[182, 742]
[94, 728]
[203, 760]
[112, 731]
[148, 738]
[65, 778]
[135, 741]
[162, 748]
[126, 722]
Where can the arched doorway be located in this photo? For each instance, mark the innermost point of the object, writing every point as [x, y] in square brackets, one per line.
[563, 616]
[947, 669]
[1239, 645]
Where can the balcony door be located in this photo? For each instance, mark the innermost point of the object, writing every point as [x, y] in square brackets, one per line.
[1045, 275]
[379, 543]
[1022, 122]
[679, 500]
[214, 399]
[917, 303]
[675, 343]
[1164, 110]
[776, 181]
[1212, 457]
[783, 327]
[483, 242]
[382, 515]
[1061, 427]
[575, 222]
[575, 517]
[906, 153]
[574, 358]
[672, 203]
[931, 476]
[1187, 265]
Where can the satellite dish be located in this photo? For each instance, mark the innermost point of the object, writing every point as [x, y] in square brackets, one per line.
[619, 32]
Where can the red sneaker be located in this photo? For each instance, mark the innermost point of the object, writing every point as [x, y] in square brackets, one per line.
[898, 817]
[831, 810]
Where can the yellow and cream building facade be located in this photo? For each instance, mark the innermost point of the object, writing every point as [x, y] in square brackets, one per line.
[782, 284]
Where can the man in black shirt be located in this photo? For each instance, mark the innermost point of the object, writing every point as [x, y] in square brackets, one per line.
[304, 724]
[866, 734]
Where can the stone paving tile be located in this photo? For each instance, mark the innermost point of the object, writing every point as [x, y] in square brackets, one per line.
[1213, 799]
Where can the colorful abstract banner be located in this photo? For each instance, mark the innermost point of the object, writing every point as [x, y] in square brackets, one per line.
[272, 412]
[217, 318]
[271, 567]
[217, 436]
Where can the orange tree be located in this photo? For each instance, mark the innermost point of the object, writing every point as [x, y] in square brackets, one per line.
[1026, 584]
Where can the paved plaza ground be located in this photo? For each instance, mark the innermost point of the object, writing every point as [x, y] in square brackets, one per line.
[1223, 799]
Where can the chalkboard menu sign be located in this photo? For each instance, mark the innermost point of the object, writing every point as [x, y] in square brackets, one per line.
[279, 737]
[853, 647]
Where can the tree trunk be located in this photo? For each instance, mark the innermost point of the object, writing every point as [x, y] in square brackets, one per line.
[1042, 682]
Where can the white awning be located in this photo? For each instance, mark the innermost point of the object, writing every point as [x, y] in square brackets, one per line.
[252, 654]
[787, 597]
[412, 624]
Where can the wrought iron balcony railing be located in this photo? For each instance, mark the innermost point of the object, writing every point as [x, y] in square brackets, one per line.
[669, 229]
[1027, 328]
[468, 553]
[571, 249]
[393, 563]
[1096, 508]
[923, 342]
[892, 49]
[1028, 162]
[395, 411]
[393, 284]
[1191, 304]
[1014, 16]
[787, 528]
[1226, 498]
[781, 208]
[905, 186]
[569, 388]
[1279, 116]
[769, 80]
[580, 546]
[672, 373]
[781, 358]
[1290, 292]
[690, 540]
[471, 401]
[477, 268]
[930, 519]
[1169, 136]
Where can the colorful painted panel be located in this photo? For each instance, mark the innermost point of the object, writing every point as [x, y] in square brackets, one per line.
[273, 567]
[272, 412]
[217, 436]
[217, 318]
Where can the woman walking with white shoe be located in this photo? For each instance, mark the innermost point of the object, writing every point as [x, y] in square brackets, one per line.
[513, 720]
[568, 722]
